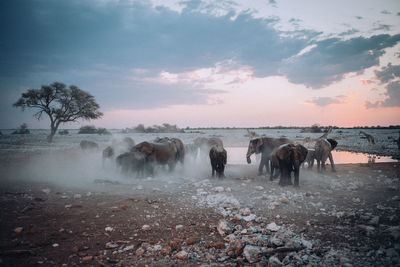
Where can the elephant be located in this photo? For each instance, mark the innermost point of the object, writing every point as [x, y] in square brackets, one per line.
[158, 153]
[131, 162]
[88, 145]
[323, 148]
[274, 165]
[180, 156]
[309, 159]
[205, 144]
[264, 145]
[290, 157]
[218, 156]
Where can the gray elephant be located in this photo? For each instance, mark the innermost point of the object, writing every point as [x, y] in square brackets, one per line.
[158, 154]
[309, 159]
[323, 151]
[264, 145]
[180, 155]
[132, 162]
[88, 145]
[289, 158]
[218, 158]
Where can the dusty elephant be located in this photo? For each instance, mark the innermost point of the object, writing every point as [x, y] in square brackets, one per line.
[158, 153]
[132, 162]
[290, 157]
[323, 151]
[180, 155]
[264, 145]
[218, 157]
[309, 159]
[88, 145]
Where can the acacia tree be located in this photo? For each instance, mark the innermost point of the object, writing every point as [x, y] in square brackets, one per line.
[60, 103]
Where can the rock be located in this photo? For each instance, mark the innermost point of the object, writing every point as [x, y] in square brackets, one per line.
[139, 252]
[181, 255]
[307, 244]
[273, 227]
[259, 188]
[284, 200]
[224, 228]
[274, 261]
[55, 245]
[252, 253]
[217, 245]
[250, 218]
[77, 196]
[246, 212]
[111, 245]
[166, 250]
[109, 229]
[190, 241]
[273, 205]
[146, 227]
[87, 258]
[368, 229]
[179, 227]
[219, 189]
[235, 247]
[46, 191]
[374, 221]
[18, 230]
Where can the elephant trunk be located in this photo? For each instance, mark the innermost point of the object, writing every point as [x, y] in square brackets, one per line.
[249, 153]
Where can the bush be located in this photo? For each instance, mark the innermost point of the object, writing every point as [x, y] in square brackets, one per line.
[164, 128]
[63, 132]
[90, 129]
[23, 129]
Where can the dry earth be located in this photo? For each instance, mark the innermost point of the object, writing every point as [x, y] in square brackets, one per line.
[347, 218]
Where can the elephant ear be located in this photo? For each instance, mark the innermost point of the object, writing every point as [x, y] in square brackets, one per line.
[333, 143]
[146, 148]
[259, 144]
[302, 151]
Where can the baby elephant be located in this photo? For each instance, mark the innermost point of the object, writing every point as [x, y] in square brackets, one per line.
[218, 157]
[132, 162]
[309, 159]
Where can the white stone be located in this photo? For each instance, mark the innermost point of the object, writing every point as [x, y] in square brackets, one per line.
[273, 227]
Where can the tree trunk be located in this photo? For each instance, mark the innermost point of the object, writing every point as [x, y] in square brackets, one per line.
[53, 130]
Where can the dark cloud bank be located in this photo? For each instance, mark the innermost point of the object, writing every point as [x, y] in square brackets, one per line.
[42, 41]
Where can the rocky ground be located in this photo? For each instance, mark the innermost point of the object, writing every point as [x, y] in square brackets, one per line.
[347, 218]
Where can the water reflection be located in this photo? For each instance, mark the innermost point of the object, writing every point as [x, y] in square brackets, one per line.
[237, 155]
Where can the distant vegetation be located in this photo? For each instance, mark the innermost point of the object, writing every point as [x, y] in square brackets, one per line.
[23, 129]
[90, 129]
[164, 128]
[63, 132]
[290, 127]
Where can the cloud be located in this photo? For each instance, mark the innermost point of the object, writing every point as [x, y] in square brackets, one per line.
[366, 82]
[332, 58]
[392, 97]
[388, 73]
[326, 101]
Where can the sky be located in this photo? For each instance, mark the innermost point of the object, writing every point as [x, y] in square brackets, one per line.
[202, 63]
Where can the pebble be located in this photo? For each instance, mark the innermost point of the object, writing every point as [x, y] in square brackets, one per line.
[146, 227]
[224, 228]
[181, 255]
[273, 227]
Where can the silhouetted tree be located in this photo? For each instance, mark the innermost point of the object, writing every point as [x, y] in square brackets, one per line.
[61, 104]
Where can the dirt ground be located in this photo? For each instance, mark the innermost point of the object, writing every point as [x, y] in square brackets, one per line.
[349, 218]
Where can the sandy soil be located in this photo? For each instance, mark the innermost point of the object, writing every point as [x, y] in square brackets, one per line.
[348, 218]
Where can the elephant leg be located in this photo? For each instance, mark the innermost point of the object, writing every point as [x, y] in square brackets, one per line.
[318, 165]
[271, 177]
[212, 170]
[262, 163]
[323, 167]
[285, 173]
[332, 162]
[296, 177]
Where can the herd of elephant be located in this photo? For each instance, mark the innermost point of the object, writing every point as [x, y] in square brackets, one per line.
[277, 154]
[281, 154]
